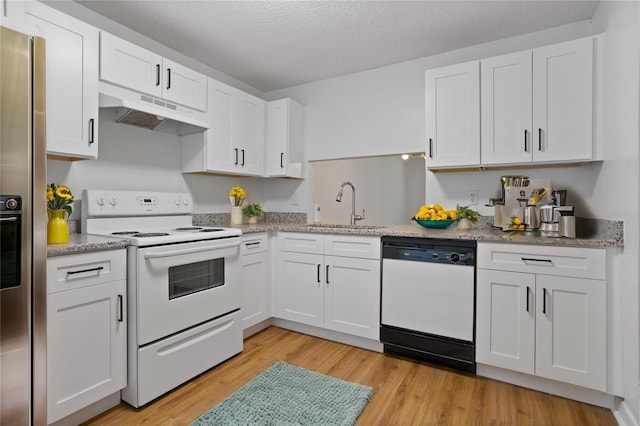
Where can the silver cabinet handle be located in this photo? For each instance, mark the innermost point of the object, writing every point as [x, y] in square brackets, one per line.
[8, 219]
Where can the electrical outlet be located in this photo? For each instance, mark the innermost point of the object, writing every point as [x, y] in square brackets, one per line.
[294, 199]
[473, 197]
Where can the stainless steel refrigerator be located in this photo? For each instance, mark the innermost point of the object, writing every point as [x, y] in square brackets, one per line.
[23, 237]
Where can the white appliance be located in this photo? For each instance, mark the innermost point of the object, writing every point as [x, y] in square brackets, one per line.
[183, 286]
[428, 299]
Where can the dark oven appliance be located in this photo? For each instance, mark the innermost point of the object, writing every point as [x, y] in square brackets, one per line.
[428, 300]
[184, 291]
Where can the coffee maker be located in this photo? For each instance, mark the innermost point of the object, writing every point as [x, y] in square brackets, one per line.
[557, 219]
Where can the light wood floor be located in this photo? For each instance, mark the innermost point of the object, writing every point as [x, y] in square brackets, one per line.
[405, 392]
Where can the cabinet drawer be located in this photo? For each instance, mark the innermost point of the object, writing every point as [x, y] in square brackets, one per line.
[254, 243]
[82, 270]
[301, 242]
[561, 261]
[352, 246]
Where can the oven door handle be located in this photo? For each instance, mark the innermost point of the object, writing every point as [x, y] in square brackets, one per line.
[160, 254]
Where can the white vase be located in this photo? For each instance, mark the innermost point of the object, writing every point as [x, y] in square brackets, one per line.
[464, 224]
[236, 215]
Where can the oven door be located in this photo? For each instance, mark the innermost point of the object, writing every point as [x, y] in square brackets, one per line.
[182, 285]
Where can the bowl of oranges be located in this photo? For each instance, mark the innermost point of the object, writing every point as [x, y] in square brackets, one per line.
[434, 216]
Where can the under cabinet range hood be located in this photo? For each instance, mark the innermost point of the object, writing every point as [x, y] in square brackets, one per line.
[142, 110]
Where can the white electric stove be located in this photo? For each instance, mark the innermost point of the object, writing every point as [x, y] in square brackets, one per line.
[183, 287]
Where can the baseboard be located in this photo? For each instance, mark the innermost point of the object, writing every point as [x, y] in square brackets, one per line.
[256, 328]
[90, 411]
[347, 339]
[623, 414]
[541, 384]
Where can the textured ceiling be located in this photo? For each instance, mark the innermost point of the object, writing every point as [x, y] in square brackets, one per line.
[276, 44]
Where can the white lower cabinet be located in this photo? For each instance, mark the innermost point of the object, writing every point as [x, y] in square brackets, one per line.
[543, 321]
[335, 292]
[86, 330]
[256, 286]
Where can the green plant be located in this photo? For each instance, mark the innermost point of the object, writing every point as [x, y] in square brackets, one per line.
[464, 212]
[252, 209]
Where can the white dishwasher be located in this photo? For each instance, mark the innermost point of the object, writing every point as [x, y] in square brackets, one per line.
[428, 300]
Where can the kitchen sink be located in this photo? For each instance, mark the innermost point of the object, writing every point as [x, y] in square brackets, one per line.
[342, 226]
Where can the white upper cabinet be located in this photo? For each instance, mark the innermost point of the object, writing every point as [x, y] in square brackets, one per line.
[251, 134]
[71, 82]
[563, 101]
[506, 104]
[128, 65]
[537, 105]
[453, 116]
[285, 149]
[235, 142]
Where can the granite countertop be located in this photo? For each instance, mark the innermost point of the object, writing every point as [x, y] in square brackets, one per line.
[590, 232]
[83, 243]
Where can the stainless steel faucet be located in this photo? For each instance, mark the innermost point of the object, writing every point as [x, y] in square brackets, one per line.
[354, 216]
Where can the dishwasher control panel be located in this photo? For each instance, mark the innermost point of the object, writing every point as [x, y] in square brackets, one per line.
[422, 250]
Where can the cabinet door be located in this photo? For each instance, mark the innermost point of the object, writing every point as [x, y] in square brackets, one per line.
[183, 85]
[571, 320]
[506, 109]
[453, 116]
[505, 320]
[300, 292]
[352, 296]
[71, 82]
[562, 101]
[277, 140]
[129, 65]
[86, 346]
[222, 153]
[251, 132]
[255, 289]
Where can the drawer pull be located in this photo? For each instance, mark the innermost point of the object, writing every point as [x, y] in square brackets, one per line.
[531, 259]
[82, 271]
[252, 245]
[528, 298]
[121, 308]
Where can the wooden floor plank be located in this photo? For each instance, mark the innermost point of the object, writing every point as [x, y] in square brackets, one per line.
[406, 392]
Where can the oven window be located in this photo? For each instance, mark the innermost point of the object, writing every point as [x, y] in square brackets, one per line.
[195, 277]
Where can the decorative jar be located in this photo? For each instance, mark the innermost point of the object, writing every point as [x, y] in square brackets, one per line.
[236, 215]
[57, 228]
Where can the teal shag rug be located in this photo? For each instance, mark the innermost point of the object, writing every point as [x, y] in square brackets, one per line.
[288, 395]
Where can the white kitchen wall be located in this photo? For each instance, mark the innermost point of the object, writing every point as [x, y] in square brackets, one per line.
[381, 111]
[133, 158]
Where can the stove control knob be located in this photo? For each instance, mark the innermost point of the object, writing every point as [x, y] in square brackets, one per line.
[100, 201]
[454, 257]
[185, 202]
[113, 201]
[177, 201]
